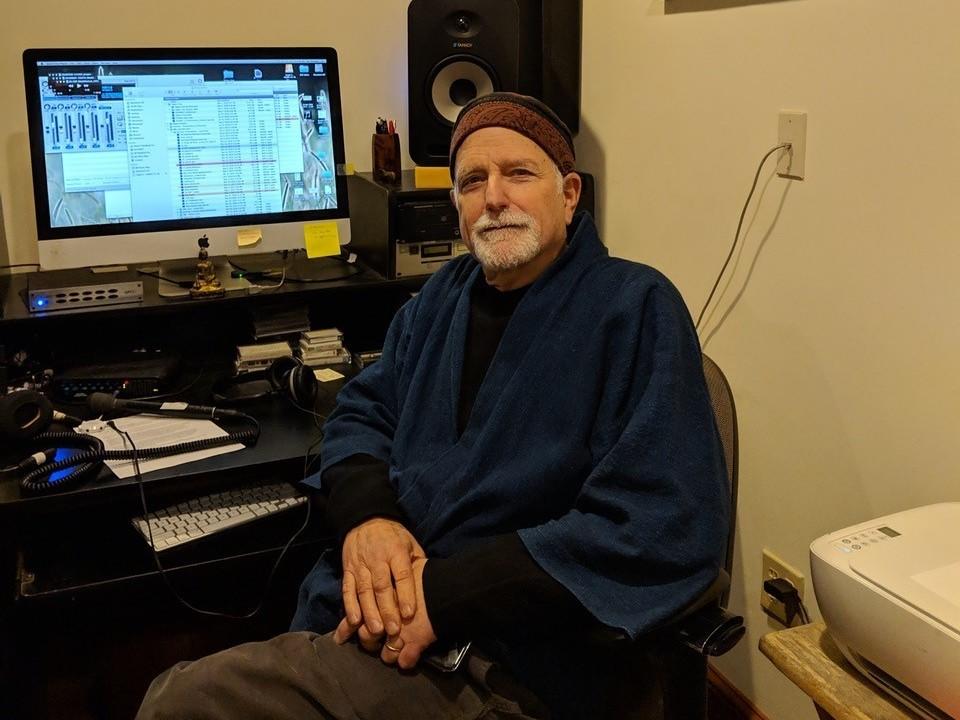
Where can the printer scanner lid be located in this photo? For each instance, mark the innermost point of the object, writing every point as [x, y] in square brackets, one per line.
[922, 568]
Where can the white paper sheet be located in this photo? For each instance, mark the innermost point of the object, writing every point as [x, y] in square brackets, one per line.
[155, 431]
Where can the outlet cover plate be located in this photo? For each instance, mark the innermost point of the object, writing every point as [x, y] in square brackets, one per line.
[773, 567]
[793, 130]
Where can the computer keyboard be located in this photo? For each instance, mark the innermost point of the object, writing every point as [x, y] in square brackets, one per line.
[200, 517]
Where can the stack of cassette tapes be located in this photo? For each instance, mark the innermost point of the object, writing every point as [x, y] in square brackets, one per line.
[251, 358]
[322, 347]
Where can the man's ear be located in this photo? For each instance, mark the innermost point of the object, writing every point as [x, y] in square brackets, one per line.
[453, 197]
[572, 185]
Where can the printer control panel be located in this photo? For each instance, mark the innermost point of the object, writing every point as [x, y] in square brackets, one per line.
[864, 538]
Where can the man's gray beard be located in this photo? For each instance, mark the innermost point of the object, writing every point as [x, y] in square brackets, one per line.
[508, 248]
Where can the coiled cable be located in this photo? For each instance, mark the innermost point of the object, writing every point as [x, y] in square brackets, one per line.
[44, 477]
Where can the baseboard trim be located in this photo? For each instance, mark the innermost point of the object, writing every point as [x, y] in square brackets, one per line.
[726, 702]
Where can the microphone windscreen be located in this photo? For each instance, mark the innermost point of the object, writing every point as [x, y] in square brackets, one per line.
[101, 402]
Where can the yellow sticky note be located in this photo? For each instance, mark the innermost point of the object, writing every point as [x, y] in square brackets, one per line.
[326, 374]
[321, 239]
[248, 236]
[432, 177]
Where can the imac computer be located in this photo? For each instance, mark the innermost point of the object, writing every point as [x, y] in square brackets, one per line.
[138, 153]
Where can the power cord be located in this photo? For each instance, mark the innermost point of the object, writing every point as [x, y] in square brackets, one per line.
[256, 275]
[18, 265]
[736, 237]
[783, 590]
[186, 284]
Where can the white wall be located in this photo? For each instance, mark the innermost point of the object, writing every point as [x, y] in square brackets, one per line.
[838, 332]
[836, 329]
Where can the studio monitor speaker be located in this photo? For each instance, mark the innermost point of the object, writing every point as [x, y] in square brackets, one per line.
[461, 49]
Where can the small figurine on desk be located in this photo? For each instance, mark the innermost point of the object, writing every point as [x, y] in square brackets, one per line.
[206, 285]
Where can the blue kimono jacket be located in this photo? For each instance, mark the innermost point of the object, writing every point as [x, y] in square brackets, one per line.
[592, 436]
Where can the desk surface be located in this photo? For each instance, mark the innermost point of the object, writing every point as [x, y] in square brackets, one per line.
[287, 436]
[808, 656]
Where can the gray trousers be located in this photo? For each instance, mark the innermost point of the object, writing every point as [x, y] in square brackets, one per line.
[305, 676]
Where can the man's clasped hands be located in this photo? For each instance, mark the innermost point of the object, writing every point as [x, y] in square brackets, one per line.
[383, 593]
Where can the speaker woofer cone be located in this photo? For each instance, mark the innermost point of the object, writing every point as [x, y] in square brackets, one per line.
[456, 84]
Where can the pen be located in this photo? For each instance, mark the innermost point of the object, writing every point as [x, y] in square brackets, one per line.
[391, 128]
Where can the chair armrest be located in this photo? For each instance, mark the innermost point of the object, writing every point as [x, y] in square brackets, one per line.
[711, 630]
[703, 625]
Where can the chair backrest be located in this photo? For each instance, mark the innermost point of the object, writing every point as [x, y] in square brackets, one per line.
[667, 677]
[725, 415]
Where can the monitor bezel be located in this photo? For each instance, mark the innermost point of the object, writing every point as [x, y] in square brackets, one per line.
[56, 240]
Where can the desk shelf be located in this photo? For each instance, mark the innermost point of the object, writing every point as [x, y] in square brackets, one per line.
[808, 656]
[104, 558]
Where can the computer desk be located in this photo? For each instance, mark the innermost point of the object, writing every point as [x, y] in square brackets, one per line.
[86, 619]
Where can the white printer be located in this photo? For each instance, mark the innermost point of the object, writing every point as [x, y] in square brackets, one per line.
[889, 591]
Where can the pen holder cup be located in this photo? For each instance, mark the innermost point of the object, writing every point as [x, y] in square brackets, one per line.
[386, 157]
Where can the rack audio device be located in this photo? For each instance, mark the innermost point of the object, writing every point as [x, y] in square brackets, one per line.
[401, 230]
[82, 288]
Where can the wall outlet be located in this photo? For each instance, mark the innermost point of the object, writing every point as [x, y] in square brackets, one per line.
[773, 567]
[793, 130]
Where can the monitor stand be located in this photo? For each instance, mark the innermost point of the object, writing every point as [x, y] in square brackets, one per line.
[186, 270]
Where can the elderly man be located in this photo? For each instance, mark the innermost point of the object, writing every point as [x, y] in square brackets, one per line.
[533, 458]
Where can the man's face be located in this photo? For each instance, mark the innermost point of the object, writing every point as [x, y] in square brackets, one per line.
[514, 206]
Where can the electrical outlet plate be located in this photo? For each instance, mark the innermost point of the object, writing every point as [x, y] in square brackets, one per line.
[793, 130]
[773, 567]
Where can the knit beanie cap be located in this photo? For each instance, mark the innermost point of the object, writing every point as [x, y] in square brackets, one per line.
[521, 113]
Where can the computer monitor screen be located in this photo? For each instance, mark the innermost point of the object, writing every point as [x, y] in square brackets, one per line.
[137, 153]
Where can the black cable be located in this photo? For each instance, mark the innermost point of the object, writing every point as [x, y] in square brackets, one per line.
[317, 417]
[41, 477]
[736, 236]
[310, 281]
[37, 458]
[16, 265]
[163, 573]
[291, 279]
[186, 284]
[172, 393]
[262, 273]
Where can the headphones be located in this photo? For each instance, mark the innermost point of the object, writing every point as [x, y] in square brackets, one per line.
[288, 376]
[25, 413]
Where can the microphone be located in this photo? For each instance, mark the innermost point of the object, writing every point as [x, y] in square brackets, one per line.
[101, 403]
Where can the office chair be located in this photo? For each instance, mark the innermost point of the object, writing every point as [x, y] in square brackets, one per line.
[666, 673]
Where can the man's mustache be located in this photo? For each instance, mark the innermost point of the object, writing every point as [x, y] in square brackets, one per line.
[504, 220]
